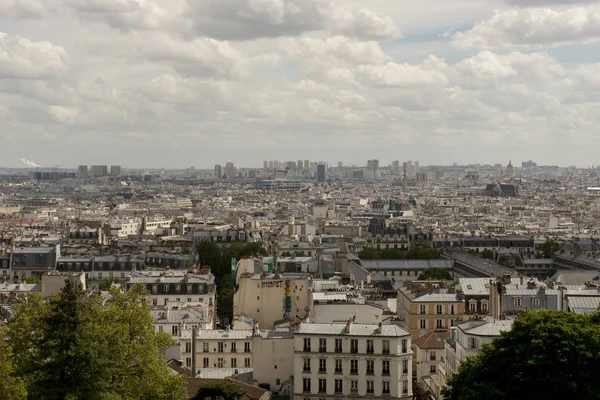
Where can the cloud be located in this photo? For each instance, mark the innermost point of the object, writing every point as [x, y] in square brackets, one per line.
[533, 27]
[538, 3]
[29, 163]
[21, 9]
[22, 58]
[394, 74]
[237, 19]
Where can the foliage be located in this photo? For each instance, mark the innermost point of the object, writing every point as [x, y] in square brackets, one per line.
[547, 355]
[415, 253]
[106, 284]
[209, 254]
[286, 254]
[223, 388]
[489, 254]
[253, 249]
[550, 247]
[31, 279]
[435, 274]
[11, 386]
[78, 346]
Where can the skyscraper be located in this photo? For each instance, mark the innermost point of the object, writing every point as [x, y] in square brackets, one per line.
[98, 171]
[218, 172]
[265, 165]
[115, 170]
[82, 172]
[396, 167]
[321, 173]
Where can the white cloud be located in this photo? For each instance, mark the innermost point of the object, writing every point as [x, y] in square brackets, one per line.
[393, 74]
[531, 27]
[22, 58]
[237, 19]
[21, 8]
[538, 3]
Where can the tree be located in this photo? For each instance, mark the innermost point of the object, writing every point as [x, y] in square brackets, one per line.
[219, 388]
[488, 254]
[209, 254]
[435, 274]
[368, 254]
[550, 247]
[11, 386]
[286, 254]
[253, 249]
[547, 355]
[82, 346]
[31, 279]
[106, 284]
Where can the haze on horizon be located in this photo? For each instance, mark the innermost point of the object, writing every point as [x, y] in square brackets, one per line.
[175, 83]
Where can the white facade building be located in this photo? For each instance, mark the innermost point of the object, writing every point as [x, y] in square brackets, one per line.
[338, 360]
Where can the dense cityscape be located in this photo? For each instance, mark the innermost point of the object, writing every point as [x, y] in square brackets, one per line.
[309, 280]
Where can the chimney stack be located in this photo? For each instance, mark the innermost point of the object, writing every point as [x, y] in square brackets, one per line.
[194, 330]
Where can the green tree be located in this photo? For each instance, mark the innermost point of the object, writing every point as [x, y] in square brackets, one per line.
[253, 249]
[79, 346]
[488, 254]
[106, 284]
[11, 387]
[547, 355]
[31, 279]
[210, 254]
[550, 247]
[219, 388]
[368, 254]
[435, 274]
[286, 254]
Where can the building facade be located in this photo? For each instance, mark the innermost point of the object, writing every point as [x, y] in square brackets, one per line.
[337, 361]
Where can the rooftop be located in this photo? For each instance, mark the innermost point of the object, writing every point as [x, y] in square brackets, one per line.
[387, 330]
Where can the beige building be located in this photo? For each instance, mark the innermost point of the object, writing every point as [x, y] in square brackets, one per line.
[341, 360]
[271, 300]
[429, 350]
[425, 307]
[53, 281]
[267, 354]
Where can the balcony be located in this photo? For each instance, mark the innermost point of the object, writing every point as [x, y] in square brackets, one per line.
[305, 390]
[306, 349]
[385, 372]
[354, 350]
[385, 351]
[354, 372]
[338, 349]
[306, 370]
[339, 371]
[370, 350]
[370, 372]
[322, 349]
[353, 391]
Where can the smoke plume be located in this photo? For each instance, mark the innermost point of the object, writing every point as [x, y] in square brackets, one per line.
[29, 163]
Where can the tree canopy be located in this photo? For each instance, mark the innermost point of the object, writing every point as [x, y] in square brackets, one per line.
[78, 346]
[12, 387]
[435, 274]
[549, 247]
[219, 388]
[547, 355]
[31, 279]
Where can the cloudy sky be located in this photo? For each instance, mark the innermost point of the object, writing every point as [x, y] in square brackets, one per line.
[176, 83]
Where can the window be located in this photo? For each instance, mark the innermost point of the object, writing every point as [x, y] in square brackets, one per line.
[188, 347]
[246, 363]
[99, 275]
[517, 301]
[535, 302]
[432, 356]
[439, 309]
[385, 346]
[354, 366]
[432, 369]
[190, 288]
[370, 367]
[385, 387]
[322, 365]
[220, 347]
[177, 288]
[405, 386]
[484, 306]
[188, 362]
[154, 302]
[472, 343]
[370, 347]
[205, 348]
[234, 363]
[322, 345]
[423, 309]
[405, 366]
[404, 345]
[385, 367]
[353, 345]
[338, 345]
[451, 308]
[306, 365]
[423, 324]
[166, 288]
[174, 330]
[322, 385]
[473, 305]
[306, 385]
[246, 347]
[370, 387]
[338, 366]
[353, 386]
[205, 363]
[220, 362]
[234, 347]
[307, 344]
[338, 385]
[439, 323]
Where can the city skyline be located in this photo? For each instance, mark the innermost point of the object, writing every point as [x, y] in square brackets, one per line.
[193, 83]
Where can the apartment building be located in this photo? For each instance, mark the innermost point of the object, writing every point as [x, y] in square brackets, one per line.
[337, 360]
[33, 261]
[429, 350]
[175, 316]
[387, 234]
[425, 307]
[176, 286]
[266, 354]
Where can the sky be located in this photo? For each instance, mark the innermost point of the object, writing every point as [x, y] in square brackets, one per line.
[180, 83]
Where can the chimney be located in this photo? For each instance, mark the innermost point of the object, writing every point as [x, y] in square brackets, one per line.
[194, 330]
[349, 325]
[521, 279]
